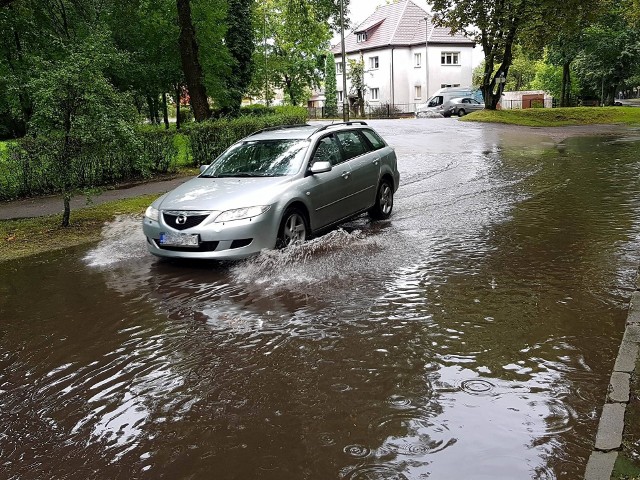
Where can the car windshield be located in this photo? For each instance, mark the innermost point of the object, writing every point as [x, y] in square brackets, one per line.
[259, 158]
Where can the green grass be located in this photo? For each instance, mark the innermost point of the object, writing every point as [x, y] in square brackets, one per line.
[181, 142]
[30, 236]
[557, 117]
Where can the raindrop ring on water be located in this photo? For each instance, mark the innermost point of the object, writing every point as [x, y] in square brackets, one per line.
[477, 386]
[358, 451]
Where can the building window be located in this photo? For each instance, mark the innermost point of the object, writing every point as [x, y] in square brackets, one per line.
[339, 68]
[450, 58]
[361, 37]
[418, 92]
[340, 99]
[375, 93]
[373, 63]
[417, 59]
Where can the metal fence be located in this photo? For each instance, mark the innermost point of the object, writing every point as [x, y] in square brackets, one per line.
[385, 110]
[399, 110]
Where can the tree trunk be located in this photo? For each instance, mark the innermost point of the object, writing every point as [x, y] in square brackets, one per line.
[151, 115]
[165, 110]
[191, 67]
[566, 84]
[177, 99]
[67, 209]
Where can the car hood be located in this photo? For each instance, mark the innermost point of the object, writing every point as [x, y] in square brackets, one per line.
[223, 193]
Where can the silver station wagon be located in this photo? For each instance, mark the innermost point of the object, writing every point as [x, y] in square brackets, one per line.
[272, 188]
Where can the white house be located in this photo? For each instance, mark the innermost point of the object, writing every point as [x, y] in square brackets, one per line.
[406, 56]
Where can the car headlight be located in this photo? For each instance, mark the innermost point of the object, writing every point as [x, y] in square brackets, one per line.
[152, 213]
[241, 213]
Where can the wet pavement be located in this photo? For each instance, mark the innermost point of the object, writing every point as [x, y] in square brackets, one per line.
[471, 336]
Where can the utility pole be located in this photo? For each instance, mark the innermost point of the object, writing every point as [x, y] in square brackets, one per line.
[345, 100]
[426, 56]
[266, 64]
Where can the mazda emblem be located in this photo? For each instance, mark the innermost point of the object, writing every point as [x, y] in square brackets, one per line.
[181, 219]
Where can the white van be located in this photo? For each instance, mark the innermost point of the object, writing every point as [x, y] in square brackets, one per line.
[436, 102]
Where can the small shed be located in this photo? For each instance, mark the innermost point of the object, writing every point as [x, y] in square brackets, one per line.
[526, 99]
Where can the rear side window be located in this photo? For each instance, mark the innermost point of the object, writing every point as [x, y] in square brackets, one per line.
[352, 144]
[374, 139]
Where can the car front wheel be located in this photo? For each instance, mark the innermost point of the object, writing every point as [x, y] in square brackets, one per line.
[384, 201]
[294, 228]
[461, 112]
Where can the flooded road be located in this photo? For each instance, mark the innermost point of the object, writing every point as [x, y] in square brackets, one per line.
[471, 336]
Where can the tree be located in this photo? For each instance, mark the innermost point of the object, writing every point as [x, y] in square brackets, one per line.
[77, 111]
[297, 39]
[609, 57]
[355, 74]
[330, 87]
[191, 65]
[495, 26]
[239, 40]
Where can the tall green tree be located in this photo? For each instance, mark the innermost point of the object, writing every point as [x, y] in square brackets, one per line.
[77, 110]
[609, 58]
[239, 41]
[330, 87]
[355, 75]
[495, 26]
[292, 58]
[191, 65]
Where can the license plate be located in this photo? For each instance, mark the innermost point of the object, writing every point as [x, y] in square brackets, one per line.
[179, 239]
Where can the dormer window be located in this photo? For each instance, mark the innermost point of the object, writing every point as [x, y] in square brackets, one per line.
[361, 37]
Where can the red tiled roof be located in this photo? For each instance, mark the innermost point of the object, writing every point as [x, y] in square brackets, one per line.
[398, 24]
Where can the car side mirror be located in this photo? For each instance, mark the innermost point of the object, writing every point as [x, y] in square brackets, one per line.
[203, 168]
[320, 167]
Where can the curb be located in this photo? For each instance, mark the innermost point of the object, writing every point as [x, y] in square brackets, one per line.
[609, 436]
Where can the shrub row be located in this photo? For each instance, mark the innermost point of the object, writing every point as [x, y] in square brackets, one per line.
[30, 166]
[209, 139]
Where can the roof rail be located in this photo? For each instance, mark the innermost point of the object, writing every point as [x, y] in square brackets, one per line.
[269, 129]
[324, 127]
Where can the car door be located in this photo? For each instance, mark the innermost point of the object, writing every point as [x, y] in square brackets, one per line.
[329, 192]
[475, 105]
[365, 167]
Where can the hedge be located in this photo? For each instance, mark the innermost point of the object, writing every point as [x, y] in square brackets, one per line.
[209, 139]
[29, 166]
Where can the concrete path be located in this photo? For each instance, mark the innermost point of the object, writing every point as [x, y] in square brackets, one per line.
[41, 206]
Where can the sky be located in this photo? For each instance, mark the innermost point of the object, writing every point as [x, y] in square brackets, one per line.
[359, 10]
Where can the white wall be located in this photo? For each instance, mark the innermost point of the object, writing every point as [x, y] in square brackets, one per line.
[406, 76]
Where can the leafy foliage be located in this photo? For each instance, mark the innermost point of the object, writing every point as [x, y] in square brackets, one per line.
[292, 57]
[210, 139]
[330, 87]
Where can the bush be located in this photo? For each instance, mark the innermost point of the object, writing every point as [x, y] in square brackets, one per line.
[209, 139]
[30, 166]
[257, 110]
[159, 151]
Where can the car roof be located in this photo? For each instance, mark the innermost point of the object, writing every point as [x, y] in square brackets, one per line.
[300, 132]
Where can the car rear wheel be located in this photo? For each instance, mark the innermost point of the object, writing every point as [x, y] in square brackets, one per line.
[461, 112]
[294, 228]
[384, 201]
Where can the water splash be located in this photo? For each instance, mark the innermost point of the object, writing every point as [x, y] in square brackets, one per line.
[122, 239]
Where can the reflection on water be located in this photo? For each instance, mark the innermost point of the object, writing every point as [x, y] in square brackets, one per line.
[469, 337]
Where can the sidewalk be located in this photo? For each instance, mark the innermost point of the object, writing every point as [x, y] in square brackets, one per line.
[42, 206]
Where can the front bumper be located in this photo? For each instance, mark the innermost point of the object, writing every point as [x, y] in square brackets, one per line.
[219, 241]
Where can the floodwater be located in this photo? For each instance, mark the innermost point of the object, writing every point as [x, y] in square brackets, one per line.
[471, 336]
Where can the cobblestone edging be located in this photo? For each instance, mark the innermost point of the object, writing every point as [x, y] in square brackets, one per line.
[609, 436]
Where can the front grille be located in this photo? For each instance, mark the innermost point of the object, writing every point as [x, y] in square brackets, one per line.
[190, 220]
[203, 247]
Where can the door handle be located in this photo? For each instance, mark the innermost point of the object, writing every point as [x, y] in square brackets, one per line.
[345, 175]
[376, 161]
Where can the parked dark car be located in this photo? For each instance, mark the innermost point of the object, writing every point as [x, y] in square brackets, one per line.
[462, 106]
